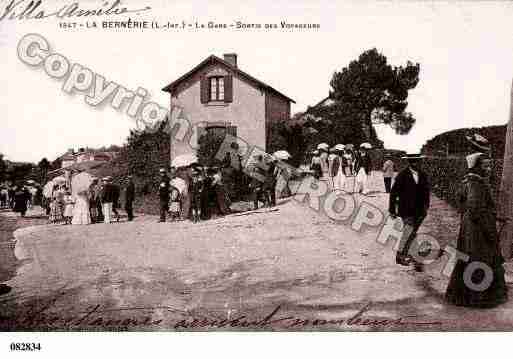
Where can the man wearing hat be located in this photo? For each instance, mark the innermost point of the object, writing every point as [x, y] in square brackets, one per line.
[163, 194]
[129, 198]
[409, 199]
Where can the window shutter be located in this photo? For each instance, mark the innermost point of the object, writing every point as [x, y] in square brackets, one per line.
[205, 89]
[228, 88]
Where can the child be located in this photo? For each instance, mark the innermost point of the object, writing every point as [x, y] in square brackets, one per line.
[174, 203]
[68, 207]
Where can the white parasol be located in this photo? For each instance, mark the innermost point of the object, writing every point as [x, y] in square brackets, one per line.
[340, 147]
[323, 146]
[59, 180]
[282, 155]
[48, 189]
[366, 145]
[184, 160]
[80, 183]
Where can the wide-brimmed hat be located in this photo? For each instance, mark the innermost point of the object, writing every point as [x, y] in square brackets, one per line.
[323, 146]
[413, 157]
[478, 142]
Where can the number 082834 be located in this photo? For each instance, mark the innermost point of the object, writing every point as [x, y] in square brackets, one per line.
[25, 347]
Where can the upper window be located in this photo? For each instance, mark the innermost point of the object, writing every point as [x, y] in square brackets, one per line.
[217, 88]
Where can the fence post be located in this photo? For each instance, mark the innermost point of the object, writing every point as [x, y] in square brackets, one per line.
[505, 205]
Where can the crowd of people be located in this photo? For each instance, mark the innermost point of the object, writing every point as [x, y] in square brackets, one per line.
[20, 197]
[198, 193]
[334, 165]
[99, 203]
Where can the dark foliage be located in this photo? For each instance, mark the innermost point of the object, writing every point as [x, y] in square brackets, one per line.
[372, 91]
[454, 143]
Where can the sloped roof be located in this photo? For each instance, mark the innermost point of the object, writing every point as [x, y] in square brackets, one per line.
[327, 101]
[211, 59]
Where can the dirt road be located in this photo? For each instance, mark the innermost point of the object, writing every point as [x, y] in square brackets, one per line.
[288, 269]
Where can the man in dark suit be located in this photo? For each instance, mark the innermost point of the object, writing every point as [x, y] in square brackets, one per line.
[107, 199]
[409, 199]
[129, 198]
[116, 193]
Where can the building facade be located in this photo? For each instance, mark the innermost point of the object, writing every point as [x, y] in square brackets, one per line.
[217, 97]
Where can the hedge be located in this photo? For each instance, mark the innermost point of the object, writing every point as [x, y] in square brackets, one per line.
[454, 142]
[446, 173]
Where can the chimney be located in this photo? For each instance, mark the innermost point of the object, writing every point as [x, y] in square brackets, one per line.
[231, 58]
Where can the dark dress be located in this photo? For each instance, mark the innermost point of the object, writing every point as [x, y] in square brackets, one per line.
[206, 198]
[21, 196]
[478, 238]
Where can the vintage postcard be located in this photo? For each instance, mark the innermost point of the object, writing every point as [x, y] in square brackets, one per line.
[264, 166]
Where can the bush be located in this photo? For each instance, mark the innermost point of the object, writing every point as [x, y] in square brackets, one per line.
[454, 142]
[446, 174]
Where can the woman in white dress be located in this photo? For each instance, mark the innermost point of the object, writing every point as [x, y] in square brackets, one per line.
[325, 170]
[337, 169]
[81, 214]
[363, 170]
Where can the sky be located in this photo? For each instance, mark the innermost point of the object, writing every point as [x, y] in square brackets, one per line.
[465, 51]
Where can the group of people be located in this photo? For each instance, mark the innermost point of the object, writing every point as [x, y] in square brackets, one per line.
[193, 192]
[19, 197]
[478, 281]
[98, 203]
[334, 165]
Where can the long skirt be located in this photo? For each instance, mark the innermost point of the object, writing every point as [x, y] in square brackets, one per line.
[458, 293]
[362, 181]
[339, 181]
[464, 288]
[81, 214]
[55, 212]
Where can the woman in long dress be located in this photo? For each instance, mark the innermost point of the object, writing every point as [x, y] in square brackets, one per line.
[315, 165]
[338, 167]
[21, 197]
[81, 213]
[478, 239]
[68, 207]
[56, 205]
[363, 169]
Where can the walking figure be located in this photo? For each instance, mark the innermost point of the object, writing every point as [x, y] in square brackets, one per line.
[409, 199]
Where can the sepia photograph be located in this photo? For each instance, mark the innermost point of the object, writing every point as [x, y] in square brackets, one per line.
[268, 166]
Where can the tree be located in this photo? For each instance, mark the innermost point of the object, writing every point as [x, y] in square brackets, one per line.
[373, 92]
[43, 166]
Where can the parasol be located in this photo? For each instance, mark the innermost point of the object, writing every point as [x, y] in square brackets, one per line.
[366, 145]
[59, 180]
[184, 160]
[282, 155]
[340, 147]
[81, 182]
[48, 189]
